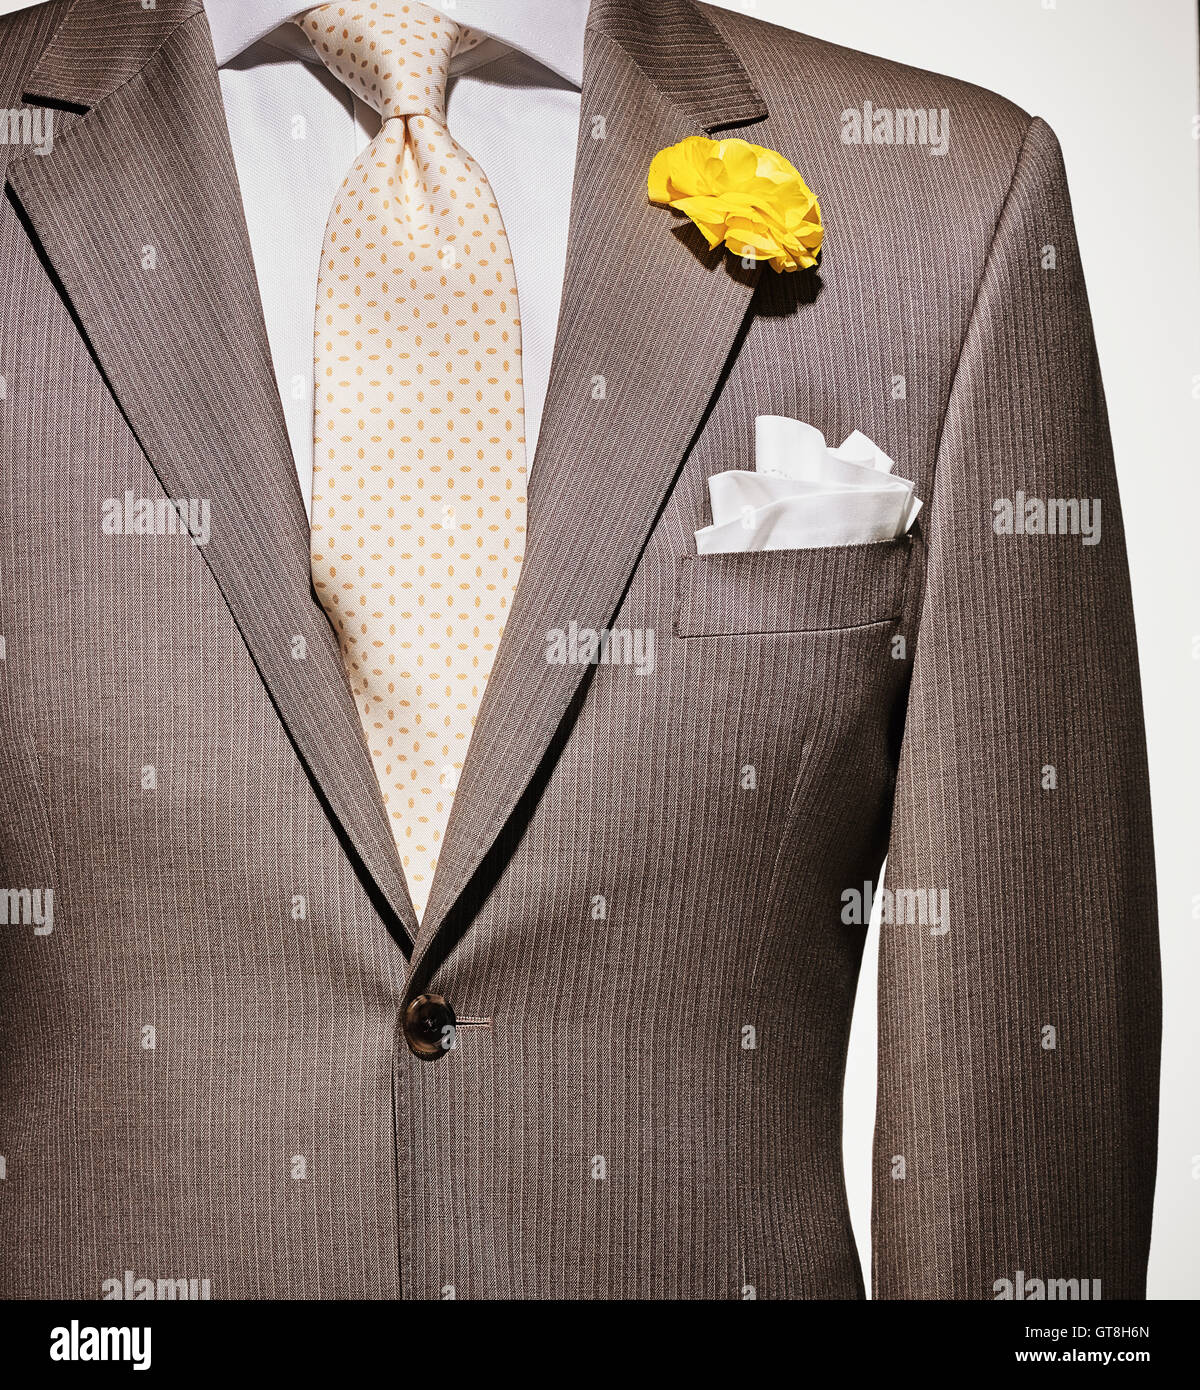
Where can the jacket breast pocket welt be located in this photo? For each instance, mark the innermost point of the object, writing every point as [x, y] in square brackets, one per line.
[765, 591]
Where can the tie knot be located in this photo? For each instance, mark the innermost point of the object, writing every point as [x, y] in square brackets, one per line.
[393, 56]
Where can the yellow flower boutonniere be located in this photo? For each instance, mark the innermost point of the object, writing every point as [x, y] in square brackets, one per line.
[744, 195]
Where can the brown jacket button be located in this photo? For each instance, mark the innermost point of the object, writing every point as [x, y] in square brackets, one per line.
[429, 1026]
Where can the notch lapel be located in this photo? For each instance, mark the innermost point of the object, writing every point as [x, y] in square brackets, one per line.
[647, 323]
[183, 346]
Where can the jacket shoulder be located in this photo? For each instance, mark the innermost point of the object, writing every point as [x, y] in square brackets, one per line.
[807, 79]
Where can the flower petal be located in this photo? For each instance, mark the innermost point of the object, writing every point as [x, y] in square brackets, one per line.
[748, 196]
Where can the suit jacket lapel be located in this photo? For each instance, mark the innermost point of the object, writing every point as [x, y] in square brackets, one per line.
[184, 348]
[646, 326]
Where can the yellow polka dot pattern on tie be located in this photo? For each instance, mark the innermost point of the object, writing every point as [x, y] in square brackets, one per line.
[418, 506]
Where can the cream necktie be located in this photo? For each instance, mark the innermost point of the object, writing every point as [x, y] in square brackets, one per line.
[418, 506]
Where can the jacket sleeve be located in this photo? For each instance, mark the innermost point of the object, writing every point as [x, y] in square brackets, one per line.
[1018, 1050]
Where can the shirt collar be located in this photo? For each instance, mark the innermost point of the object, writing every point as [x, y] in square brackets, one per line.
[550, 33]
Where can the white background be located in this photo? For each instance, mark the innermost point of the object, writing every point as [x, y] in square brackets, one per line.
[1117, 80]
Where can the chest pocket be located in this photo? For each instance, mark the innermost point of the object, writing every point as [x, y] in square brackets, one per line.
[827, 589]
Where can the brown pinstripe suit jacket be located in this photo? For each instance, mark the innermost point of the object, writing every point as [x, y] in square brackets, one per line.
[644, 941]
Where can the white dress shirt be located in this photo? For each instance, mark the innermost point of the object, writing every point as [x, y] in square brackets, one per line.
[512, 103]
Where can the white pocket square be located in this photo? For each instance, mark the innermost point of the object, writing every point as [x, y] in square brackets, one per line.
[804, 494]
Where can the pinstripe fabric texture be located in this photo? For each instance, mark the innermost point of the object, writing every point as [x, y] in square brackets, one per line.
[640, 914]
[843, 586]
